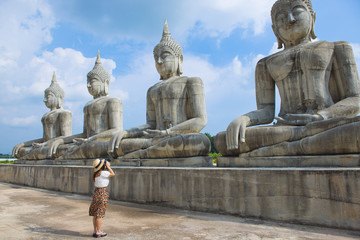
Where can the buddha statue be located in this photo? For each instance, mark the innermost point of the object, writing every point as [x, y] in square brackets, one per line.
[102, 118]
[175, 112]
[319, 88]
[56, 123]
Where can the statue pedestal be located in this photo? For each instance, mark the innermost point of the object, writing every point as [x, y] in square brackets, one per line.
[201, 161]
[345, 160]
[322, 196]
[77, 162]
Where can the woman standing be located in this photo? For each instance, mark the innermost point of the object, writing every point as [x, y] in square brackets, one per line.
[100, 197]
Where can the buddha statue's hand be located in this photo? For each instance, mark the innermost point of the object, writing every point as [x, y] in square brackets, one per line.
[16, 149]
[114, 142]
[299, 119]
[236, 131]
[80, 141]
[53, 146]
[151, 133]
[38, 145]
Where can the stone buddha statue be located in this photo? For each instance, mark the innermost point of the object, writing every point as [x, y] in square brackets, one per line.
[319, 89]
[102, 118]
[175, 112]
[56, 123]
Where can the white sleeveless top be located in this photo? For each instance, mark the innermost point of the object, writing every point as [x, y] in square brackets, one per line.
[102, 180]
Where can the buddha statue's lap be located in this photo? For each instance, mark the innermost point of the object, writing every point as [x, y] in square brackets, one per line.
[166, 146]
[175, 112]
[102, 117]
[319, 89]
[56, 123]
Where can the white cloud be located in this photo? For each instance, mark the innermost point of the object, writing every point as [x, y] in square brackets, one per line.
[20, 122]
[230, 14]
[71, 68]
[219, 81]
[216, 18]
[25, 29]
[235, 77]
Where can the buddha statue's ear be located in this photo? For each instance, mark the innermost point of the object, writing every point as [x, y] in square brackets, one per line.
[59, 103]
[106, 88]
[312, 32]
[180, 62]
[280, 42]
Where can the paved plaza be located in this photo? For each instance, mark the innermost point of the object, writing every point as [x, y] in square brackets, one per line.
[30, 213]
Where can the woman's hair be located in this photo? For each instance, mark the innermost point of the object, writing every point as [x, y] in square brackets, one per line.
[95, 173]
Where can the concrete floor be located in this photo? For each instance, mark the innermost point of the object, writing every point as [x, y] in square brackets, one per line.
[30, 213]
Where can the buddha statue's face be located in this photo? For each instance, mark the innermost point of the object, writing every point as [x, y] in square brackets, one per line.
[96, 87]
[51, 101]
[292, 22]
[167, 64]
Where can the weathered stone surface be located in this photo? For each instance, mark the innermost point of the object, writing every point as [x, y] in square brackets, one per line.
[317, 196]
[200, 161]
[102, 118]
[77, 162]
[56, 123]
[348, 160]
[175, 113]
[319, 89]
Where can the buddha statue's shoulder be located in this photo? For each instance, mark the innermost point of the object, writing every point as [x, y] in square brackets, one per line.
[342, 44]
[114, 103]
[60, 114]
[322, 45]
[327, 47]
[194, 79]
[186, 80]
[112, 100]
[63, 112]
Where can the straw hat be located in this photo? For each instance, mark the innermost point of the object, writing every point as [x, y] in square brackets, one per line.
[97, 164]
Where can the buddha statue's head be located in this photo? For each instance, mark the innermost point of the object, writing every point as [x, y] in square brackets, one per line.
[98, 80]
[293, 22]
[168, 56]
[54, 95]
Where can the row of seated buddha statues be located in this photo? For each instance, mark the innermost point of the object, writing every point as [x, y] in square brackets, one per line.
[175, 115]
[317, 81]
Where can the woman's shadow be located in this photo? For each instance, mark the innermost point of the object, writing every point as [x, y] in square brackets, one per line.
[56, 231]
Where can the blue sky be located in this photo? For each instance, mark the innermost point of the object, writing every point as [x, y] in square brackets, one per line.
[222, 40]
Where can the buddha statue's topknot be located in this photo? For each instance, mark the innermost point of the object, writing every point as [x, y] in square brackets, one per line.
[55, 89]
[99, 71]
[168, 41]
[307, 2]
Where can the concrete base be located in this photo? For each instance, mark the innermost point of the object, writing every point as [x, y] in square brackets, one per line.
[201, 161]
[77, 162]
[317, 196]
[346, 160]
[165, 162]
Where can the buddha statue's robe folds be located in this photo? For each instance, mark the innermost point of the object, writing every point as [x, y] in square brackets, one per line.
[175, 113]
[102, 117]
[319, 88]
[56, 123]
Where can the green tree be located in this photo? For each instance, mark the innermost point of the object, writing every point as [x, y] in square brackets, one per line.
[211, 138]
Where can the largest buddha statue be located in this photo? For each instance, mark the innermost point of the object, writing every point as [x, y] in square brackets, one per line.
[319, 89]
[175, 112]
